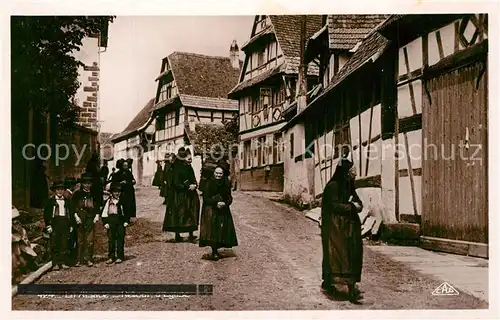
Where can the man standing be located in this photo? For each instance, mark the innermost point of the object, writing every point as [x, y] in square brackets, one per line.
[86, 214]
[183, 210]
[341, 232]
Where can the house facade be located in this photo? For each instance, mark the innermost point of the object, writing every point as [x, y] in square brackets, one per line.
[266, 88]
[135, 142]
[410, 104]
[192, 89]
[330, 49]
[442, 105]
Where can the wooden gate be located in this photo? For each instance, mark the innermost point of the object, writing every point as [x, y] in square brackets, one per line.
[455, 200]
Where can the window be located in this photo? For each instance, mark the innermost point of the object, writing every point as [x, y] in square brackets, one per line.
[260, 58]
[160, 121]
[265, 99]
[177, 116]
[291, 145]
[261, 143]
[247, 154]
[255, 104]
[271, 51]
[277, 148]
[170, 121]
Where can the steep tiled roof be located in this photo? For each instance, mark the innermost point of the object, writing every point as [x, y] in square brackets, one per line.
[372, 47]
[346, 30]
[203, 76]
[139, 120]
[287, 30]
[209, 102]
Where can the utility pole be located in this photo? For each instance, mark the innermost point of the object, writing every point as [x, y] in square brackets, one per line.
[302, 76]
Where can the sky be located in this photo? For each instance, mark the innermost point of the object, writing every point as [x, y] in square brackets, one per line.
[136, 47]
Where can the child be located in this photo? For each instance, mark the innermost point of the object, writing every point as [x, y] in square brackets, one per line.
[115, 221]
[70, 185]
[57, 217]
[86, 213]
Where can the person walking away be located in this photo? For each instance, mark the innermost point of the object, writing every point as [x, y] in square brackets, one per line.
[86, 214]
[183, 209]
[217, 226]
[115, 221]
[57, 217]
[126, 179]
[341, 232]
[157, 181]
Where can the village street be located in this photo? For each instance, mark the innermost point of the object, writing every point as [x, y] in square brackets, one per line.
[277, 265]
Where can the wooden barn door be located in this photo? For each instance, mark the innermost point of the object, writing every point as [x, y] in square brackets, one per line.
[455, 202]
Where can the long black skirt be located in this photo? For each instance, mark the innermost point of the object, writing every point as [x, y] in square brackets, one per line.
[217, 228]
[182, 212]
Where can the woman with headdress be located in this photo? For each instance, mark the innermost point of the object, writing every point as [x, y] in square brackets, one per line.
[126, 179]
[183, 205]
[217, 226]
[341, 232]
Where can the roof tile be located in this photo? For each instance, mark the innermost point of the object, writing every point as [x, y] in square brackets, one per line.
[354, 27]
[209, 102]
[204, 76]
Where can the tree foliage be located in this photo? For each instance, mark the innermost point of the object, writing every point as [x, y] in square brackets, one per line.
[44, 73]
[211, 137]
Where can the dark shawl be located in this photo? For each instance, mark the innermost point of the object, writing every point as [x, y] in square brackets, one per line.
[341, 229]
[217, 226]
[183, 205]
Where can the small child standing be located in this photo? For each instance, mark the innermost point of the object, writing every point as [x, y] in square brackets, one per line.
[70, 185]
[115, 221]
[58, 221]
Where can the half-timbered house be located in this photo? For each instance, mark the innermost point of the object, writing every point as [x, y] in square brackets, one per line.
[266, 88]
[442, 106]
[193, 88]
[411, 104]
[133, 143]
[331, 49]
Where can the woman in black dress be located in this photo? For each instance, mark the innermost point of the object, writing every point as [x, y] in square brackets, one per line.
[217, 226]
[126, 179]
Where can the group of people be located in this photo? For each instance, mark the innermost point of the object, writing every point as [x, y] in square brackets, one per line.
[181, 193]
[76, 206]
[71, 213]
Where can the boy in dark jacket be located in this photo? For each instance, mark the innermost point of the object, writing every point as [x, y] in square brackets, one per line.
[115, 221]
[58, 221]
[86, 214]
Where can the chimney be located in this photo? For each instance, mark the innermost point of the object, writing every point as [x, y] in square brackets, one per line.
[301, 93]
[234, 55]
